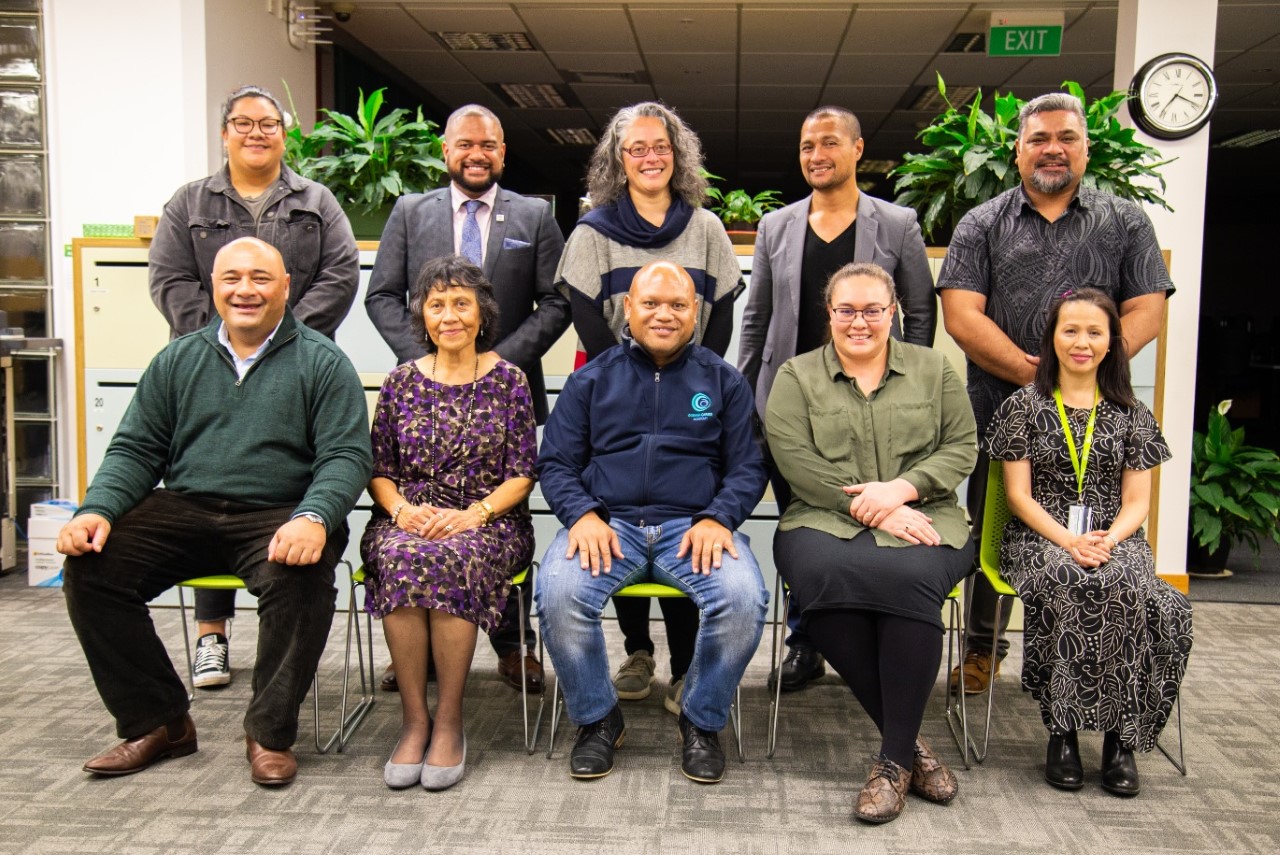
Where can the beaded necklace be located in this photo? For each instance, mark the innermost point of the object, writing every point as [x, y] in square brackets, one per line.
[435, 433]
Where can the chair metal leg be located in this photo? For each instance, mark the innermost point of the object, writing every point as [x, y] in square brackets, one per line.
[957, 720]
[735, 718]
[783, 595]
[1181, 763]
[556, 702]
[530, 734]
[350, 722]
[186, 642]
[981, 756]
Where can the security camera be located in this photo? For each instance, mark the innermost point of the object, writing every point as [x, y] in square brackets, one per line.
[342, 11]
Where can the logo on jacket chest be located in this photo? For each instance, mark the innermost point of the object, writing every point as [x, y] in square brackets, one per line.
[701, 404]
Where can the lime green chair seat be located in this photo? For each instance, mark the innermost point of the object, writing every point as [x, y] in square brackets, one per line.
[348, 722]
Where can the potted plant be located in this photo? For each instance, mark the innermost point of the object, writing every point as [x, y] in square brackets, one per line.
[971, 158]
[368, 162]
[1235, 494]
[740, 211]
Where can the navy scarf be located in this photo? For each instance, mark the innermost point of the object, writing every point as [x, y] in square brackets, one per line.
[621, 222]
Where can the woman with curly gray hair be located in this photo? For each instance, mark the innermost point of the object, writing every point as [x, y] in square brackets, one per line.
[646, 186]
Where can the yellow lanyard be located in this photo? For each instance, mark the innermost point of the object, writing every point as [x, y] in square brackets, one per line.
[1079, 461]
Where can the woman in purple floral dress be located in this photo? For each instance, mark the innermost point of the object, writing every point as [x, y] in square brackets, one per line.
[454, 450]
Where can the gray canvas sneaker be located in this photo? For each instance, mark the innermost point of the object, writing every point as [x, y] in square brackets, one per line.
[634, 679]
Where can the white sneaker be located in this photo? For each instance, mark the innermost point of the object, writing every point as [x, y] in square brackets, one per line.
[634, 679]
[213, 661]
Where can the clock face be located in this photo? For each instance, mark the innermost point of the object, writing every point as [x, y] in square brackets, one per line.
[1174, 96]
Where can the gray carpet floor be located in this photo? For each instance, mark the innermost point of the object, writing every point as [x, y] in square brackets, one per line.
[1255, 579]
[51, 721]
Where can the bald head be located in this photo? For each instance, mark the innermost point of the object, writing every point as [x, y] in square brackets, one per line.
[250, 290]
[662, 310]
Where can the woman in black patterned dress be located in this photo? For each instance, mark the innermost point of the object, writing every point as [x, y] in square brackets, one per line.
[1106, 641]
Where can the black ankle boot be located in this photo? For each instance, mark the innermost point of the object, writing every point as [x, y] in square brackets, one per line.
[1062, 767]
[1119, 767]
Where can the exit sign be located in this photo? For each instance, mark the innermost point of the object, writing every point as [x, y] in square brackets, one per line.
[1025, 34]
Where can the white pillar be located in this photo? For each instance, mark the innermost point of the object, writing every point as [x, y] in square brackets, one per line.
[1145, 29]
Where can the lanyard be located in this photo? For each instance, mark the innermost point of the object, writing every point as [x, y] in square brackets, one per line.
[1079, 461]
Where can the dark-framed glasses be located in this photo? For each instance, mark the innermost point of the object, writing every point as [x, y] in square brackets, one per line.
[244, 125]
[871, 314]
[641, 150]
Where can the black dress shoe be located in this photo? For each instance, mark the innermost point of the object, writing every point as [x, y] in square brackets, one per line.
[701, 758]
[1062, 767]
[592, 754]
[802, 664]
[1119, 767]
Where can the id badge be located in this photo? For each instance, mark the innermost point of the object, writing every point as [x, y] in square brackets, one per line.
[1079, 519]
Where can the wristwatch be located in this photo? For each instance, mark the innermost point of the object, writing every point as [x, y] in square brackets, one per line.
[315, 518]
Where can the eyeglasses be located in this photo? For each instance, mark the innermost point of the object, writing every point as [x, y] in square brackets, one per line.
[244, 125]
[641, 150]
[870, 314]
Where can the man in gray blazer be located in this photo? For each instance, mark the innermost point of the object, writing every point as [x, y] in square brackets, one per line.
[797, 249]
[517, 243]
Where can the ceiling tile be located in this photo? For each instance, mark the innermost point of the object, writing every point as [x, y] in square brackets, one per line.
[569, 118]
[799, 29]
[864, 97]
[622, 62]
[1245, 26]
[568, 28]
[869, 69]
[779, 97]
[1248, 95]
[761, 68]
[463, 19]
[1048, 72]
[901, 30]
[388, 28]
[709, 121]
[694, 97]
[969, 69]
[1255, 66]
[1095, 30]
[669, 30]
[429, 67]
[784, 123]
[609, 98]
[522, 67]
[690, 69]
[454, 95]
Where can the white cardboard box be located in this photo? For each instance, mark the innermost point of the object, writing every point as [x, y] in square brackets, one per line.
[44, 528]
[44, 563]
[59, 509]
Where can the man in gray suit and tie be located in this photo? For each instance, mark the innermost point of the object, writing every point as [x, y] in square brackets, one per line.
[797, 249]
[517, 243]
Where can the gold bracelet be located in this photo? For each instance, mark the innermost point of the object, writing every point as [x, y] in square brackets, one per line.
[395, 514]
[479, 507]
[489, 509]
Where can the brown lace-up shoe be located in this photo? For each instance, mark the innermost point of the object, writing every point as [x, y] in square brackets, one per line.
[885, 793]
[980, 668]
[931, 780]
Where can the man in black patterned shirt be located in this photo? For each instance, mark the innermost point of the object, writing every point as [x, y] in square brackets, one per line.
[1008, 260]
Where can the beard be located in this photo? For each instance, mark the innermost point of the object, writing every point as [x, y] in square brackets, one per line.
[1052, 184]
[458, 176]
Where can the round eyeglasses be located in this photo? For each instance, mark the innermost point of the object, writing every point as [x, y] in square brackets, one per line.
[244, 125]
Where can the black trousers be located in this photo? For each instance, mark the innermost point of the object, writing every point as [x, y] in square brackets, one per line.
[680, 615]
[165, 539]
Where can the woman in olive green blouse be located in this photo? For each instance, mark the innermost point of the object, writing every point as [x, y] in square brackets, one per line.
[874, 435]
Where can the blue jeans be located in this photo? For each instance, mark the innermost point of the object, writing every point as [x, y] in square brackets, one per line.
[732, 601]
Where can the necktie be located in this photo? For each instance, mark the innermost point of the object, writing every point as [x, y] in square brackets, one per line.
[470, 247]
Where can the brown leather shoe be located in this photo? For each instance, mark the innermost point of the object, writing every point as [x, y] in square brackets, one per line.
[388, 682]
[175, 739]
[268, 767]
[931, 780]
[978, 673]
[885, 793]
[509, 670]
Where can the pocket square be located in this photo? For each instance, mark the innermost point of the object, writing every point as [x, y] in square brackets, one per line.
[514, 243]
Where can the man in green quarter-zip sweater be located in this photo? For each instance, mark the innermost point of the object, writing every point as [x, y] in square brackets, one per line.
[258, 427]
